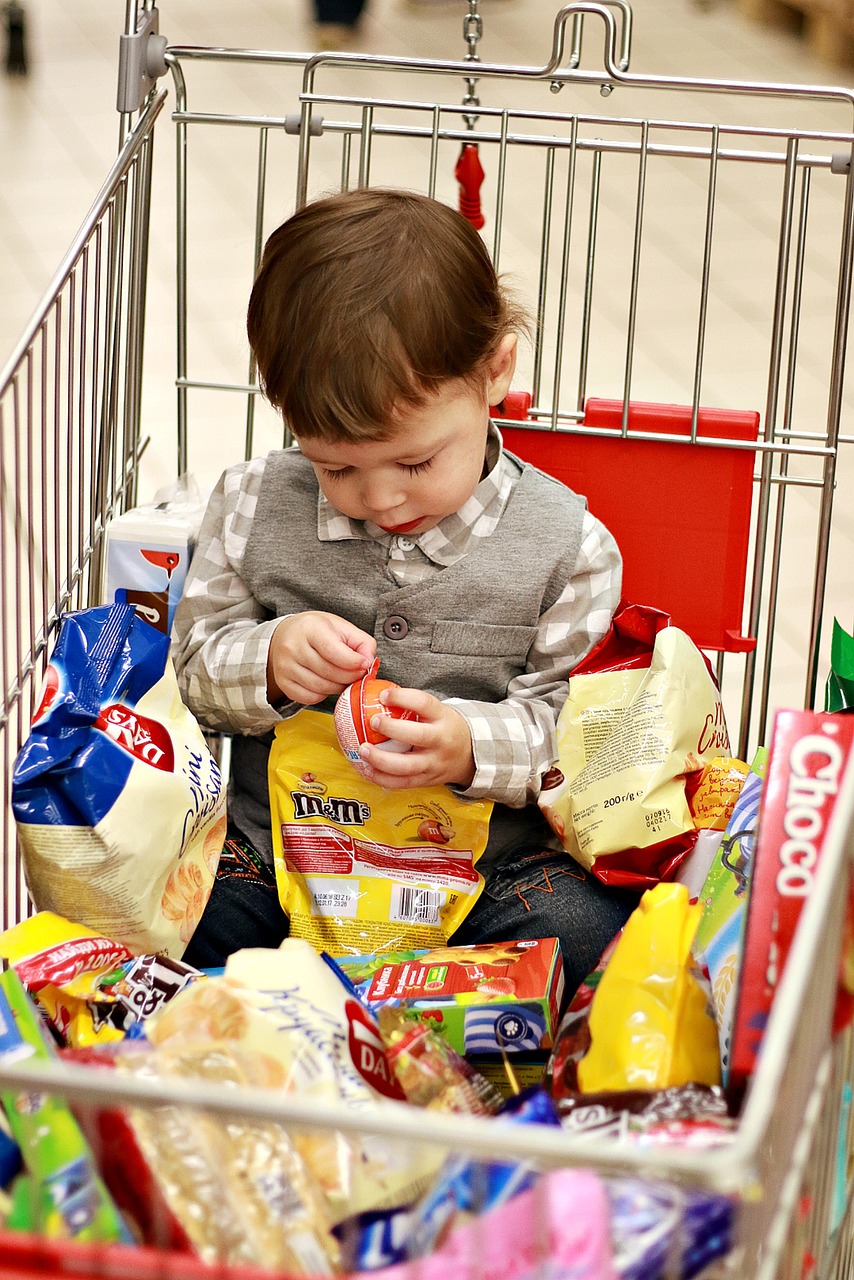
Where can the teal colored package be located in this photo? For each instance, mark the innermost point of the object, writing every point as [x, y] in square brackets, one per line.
[839, 690]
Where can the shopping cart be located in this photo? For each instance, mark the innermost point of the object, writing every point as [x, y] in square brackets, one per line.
[668, 363]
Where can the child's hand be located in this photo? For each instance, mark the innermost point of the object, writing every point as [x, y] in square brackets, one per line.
[440, 740]
[314, 655]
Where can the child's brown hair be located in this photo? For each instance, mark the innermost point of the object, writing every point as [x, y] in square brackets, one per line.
[366, 302]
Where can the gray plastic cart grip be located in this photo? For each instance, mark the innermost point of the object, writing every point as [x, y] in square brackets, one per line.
[293, 122]
[141, 61]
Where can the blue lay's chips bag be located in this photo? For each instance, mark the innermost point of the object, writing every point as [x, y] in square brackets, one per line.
[119, 805]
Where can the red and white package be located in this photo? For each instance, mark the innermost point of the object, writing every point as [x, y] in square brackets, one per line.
[808, 757]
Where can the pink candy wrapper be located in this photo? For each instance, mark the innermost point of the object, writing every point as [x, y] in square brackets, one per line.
[560, 1228]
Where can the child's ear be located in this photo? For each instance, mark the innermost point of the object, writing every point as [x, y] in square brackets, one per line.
[501, 368]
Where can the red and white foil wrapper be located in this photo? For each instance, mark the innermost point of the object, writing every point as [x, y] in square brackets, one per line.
[355, 709]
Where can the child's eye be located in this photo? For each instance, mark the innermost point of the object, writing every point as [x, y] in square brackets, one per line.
[416, 468]
[336, 475]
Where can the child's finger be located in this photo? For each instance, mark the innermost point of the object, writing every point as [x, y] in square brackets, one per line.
[339, 657]
[358, 641]
[391, 764]
[304, 685]
[425, 706]
[409, 732]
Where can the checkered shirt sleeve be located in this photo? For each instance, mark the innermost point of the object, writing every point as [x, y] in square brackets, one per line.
[221, 634]
[514, 740]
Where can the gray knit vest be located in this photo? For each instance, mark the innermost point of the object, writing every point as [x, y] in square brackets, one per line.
[464, 632]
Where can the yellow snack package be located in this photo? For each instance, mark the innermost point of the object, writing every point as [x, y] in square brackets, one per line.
[61, 963]
[360, 869]
[651, 1023]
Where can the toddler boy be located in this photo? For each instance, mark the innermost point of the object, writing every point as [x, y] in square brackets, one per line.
[401, 529]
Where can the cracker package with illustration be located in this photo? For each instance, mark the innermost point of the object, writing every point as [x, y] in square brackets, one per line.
[119, 804]
[718, 940]
[482, 999]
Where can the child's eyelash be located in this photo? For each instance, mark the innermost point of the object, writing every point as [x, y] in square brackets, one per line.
[414, 469]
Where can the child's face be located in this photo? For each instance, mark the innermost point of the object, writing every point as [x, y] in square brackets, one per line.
[425, 471]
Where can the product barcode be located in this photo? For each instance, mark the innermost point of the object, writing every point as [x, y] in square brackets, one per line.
[416, 906]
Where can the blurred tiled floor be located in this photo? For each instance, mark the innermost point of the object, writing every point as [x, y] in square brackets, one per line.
[59, 130]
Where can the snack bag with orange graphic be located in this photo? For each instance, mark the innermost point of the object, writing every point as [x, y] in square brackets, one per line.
[119, 804]
[61, 965]
[361, 869]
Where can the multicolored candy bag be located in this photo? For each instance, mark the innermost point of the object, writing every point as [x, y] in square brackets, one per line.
[61, 964]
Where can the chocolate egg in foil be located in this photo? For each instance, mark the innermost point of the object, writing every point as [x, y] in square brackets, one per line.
[355, 709]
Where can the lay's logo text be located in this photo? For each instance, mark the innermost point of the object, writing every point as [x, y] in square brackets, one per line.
[142, 738]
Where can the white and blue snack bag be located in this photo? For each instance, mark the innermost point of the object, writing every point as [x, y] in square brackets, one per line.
[119, 804]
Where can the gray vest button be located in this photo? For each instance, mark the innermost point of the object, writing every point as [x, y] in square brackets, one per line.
[395, 627]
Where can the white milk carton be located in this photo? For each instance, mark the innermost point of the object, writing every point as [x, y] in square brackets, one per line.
[148, 551]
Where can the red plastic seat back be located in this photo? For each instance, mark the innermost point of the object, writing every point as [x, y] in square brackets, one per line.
[680, 513]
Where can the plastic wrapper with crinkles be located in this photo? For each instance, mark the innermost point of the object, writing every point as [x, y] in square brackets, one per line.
[229, 1189]
[120, 807]
[430, 1072]
[659, 1230]
[467, 1186]
[688, 1115]
[560, 1227]
[297, 1013]
[643, 712]
[240, 1187]
[361, 869]
[61, 964]
[651, 1022]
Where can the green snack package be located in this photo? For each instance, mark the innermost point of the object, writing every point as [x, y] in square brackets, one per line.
[839, 690]
[65, 1196]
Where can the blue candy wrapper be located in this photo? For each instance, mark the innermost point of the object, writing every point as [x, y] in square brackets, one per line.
[472, 1186]
[654, 1226]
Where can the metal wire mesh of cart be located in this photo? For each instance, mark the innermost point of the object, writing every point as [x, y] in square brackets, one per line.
[599, 215]
[69, 444]
[786, 1171]
[668, 244]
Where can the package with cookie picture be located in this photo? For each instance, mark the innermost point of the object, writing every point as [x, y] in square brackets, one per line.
[119, 804]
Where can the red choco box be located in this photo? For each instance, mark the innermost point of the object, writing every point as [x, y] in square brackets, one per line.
[809, 751]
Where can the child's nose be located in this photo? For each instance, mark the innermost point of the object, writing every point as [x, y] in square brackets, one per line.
[382, 492]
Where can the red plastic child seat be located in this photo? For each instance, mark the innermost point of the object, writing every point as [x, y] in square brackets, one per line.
[680, 512]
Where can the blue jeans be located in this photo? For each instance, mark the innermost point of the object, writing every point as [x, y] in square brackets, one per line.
[545, 894]
[535, 894]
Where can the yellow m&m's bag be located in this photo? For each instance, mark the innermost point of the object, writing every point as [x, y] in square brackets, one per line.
[360, 869]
